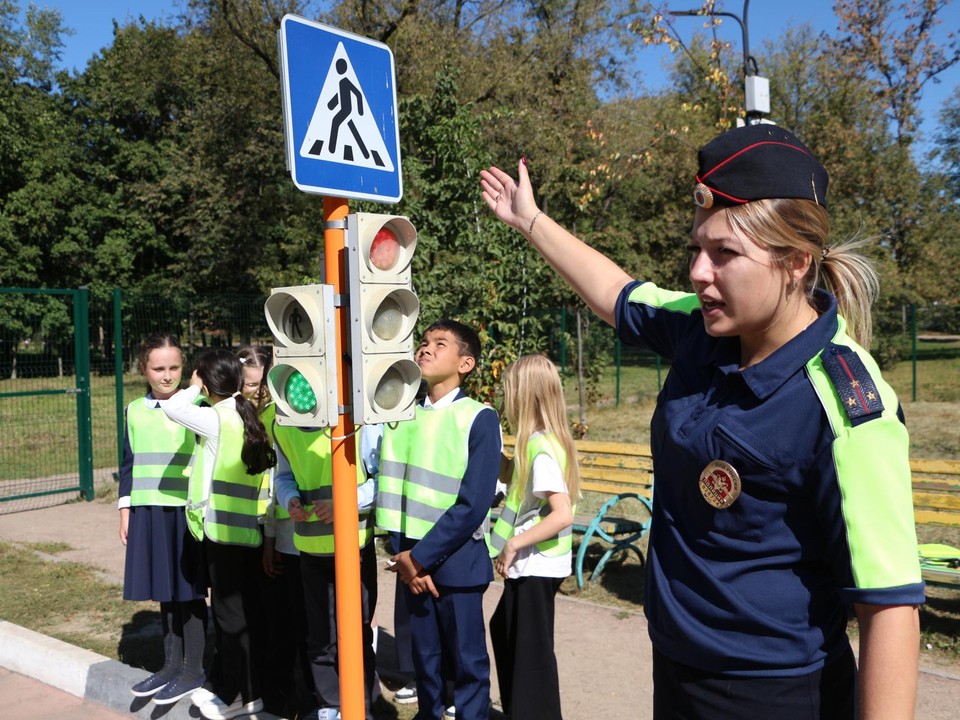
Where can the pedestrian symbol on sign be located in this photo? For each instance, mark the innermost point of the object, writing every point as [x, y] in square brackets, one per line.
[343, 128]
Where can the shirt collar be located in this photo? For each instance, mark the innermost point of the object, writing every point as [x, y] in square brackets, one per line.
[151, 402]
[767, 376]
[443, 402]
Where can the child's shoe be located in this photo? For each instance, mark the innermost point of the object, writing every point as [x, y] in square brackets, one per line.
[181, 686]
[217, 709]
[327, 713]
[406, 695]
[153, 684]
[201, 696]
[450, 713]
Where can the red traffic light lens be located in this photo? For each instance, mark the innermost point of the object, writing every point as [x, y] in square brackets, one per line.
[385, 249]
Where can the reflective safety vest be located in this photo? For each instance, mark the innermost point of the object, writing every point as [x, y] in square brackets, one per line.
[228, 514]
[309, 455]
[509, 520]
[422, 463]
[162, 451]
[267, 416]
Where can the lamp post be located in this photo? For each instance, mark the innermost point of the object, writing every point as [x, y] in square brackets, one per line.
[756, 88]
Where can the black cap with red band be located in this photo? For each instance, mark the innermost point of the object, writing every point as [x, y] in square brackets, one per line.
[755, 162]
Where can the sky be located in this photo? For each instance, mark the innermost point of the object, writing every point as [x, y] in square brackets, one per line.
[92, 21]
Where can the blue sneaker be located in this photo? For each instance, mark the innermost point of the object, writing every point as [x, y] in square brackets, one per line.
[153, 684]
[179, 687]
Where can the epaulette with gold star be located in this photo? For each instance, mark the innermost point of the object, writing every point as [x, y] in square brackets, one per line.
[857, 390]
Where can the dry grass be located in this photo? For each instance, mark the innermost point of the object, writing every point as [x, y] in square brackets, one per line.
[934, 426]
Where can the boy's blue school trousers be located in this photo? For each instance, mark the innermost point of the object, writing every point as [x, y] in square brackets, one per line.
[457, 618]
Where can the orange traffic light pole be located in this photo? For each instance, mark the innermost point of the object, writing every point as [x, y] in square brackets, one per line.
[344, 460]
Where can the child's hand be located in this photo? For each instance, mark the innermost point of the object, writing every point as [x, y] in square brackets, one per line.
[124, 525]
[195, 380]
[505, 559]
[272, 560]
[297, 512]
[405, 566]
[324, 511]
[423, 583]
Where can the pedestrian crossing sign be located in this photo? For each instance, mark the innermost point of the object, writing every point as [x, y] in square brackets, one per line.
[341, 131]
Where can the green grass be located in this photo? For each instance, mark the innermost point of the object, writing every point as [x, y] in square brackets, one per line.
[70, 602]
[40, 431]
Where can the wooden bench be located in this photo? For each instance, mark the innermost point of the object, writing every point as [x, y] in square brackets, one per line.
[624, 471]
[936, 502]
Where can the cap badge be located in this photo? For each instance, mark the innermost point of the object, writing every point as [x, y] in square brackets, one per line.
[702, 196]
[720, 484]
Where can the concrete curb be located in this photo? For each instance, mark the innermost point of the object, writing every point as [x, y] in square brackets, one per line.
[87, 675]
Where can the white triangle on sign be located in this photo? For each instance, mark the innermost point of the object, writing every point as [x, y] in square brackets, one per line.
[343, 129]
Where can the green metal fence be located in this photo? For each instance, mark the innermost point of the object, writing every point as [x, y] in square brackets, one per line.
[46, 441]
[200, 322]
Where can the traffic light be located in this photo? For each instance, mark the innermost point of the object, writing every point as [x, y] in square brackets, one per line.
[303, 379]
[383, 312]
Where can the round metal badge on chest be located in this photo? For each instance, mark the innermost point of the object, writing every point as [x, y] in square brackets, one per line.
[720, 484]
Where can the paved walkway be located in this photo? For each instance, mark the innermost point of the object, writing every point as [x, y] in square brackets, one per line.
[603, 653]
[27, 699]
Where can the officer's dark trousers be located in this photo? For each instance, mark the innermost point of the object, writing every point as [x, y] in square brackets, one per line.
[684, 693]
[320, 599]
[235, 599]
[450, 629]
[521, 632]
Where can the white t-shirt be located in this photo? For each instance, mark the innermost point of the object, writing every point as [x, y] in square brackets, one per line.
[546, 476]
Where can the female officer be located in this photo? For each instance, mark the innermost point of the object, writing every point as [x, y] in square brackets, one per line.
[783, 491]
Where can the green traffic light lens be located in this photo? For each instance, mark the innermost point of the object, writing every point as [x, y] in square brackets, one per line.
[300, 396]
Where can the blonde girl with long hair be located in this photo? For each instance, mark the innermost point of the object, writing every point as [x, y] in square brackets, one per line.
[533, 538]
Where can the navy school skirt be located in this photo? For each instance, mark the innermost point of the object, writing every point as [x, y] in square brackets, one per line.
[164, 562]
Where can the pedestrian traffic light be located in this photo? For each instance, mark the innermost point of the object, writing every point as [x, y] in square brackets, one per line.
[303, 379]
[383, 312]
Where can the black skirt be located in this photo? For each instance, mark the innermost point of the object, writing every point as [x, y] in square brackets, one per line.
[164, 562]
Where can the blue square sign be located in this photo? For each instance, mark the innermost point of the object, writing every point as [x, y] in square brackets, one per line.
[341, 129]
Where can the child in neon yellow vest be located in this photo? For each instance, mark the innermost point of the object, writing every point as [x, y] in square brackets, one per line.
[233, 454]
[437, 478]
[532, 538]
[164, 562]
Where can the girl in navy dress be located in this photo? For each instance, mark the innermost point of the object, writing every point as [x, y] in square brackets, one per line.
[164, 563]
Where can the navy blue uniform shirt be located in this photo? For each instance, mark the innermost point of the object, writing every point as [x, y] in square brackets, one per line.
[762, 587]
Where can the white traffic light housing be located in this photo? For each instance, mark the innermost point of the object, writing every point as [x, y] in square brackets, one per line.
[303, 379]
[383, 313]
